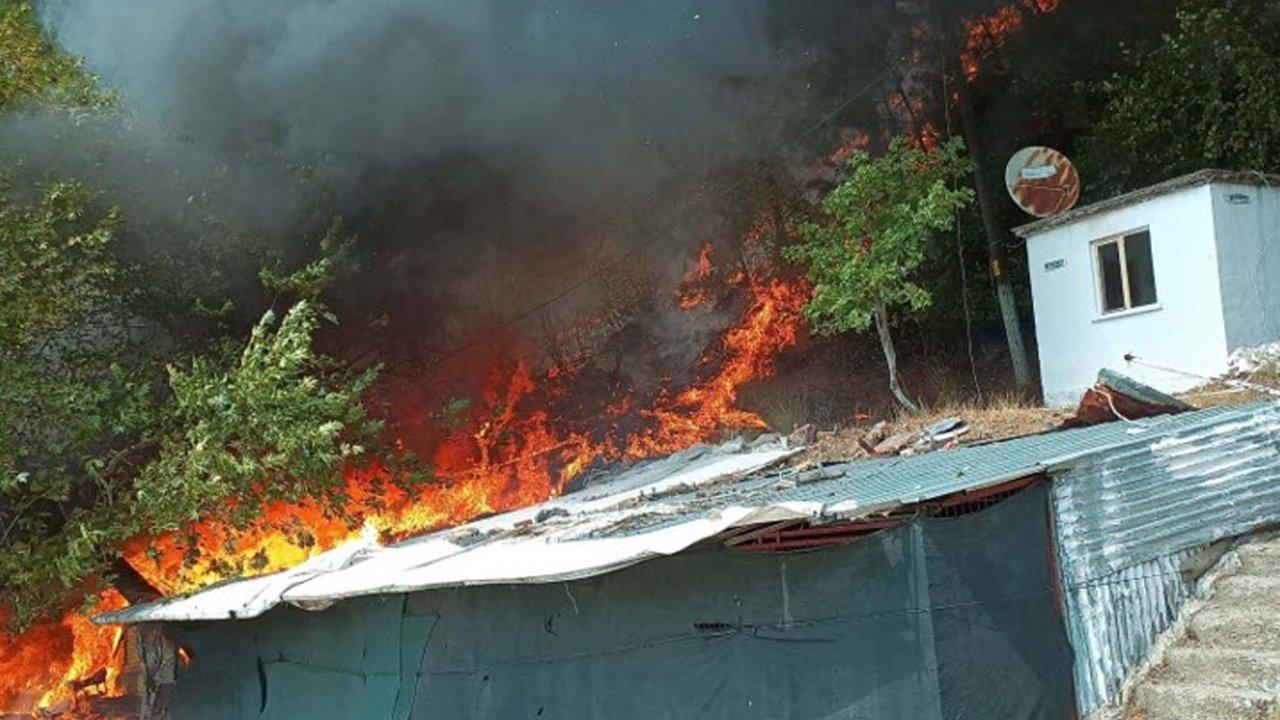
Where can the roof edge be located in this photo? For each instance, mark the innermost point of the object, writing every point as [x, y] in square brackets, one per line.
[1207, 176]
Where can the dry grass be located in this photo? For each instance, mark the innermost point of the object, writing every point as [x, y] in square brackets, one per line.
[785, 405]
[1225, 393]
[999, 417]
[1222, 394]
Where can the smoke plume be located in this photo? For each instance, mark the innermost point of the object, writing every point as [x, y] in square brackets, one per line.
[583, 99]
[487, 153]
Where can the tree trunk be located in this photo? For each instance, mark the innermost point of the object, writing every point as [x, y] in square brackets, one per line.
[949, 23]
[995, 248]
[891, 359]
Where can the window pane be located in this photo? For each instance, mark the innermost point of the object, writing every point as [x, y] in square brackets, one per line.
[1109, 272]
[1142, 277]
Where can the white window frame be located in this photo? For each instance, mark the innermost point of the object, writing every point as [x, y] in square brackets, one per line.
[1100, 292]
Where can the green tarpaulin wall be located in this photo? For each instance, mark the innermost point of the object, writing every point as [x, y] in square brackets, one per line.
[938, 618]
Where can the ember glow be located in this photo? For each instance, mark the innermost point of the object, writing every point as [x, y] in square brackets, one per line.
[986, 34]
[506, 448]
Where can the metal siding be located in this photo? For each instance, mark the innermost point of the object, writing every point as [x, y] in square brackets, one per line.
[1135, 504]
[1113, 621]
[1127, 518]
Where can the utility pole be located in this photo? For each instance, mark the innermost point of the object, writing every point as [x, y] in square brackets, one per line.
[948, 23]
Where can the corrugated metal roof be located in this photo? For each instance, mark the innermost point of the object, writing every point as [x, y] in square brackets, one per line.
[664, 506]
[1214, 479]
[557, 540]
[870, 486]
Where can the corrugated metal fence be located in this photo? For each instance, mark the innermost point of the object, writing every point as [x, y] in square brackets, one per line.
[1127, 518]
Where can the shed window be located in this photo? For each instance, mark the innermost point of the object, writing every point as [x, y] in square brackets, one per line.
[1126, 278]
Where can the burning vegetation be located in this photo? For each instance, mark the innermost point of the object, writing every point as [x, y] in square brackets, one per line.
[532, 424]
[518, 441]
[987, 34]
[56, 662]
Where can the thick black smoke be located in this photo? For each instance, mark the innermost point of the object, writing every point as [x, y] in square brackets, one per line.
[443, 125]
[583, 98]
[487, 153]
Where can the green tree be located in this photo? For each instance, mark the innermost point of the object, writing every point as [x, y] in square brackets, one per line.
[863, 255]
[110, 428]
[1206, 95]
[127, 406]
[31, 69]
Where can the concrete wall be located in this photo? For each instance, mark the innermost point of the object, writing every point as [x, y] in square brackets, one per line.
[1184, 329]
[1247, 221]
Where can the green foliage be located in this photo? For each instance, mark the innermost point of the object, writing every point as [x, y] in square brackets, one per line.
[879, 223]
[310, 281]
[32, 70]
[454, 413]
[1206, 96]
[105, 434]
[71, 386]
[276, 423]
[127, 404]
[57, 264]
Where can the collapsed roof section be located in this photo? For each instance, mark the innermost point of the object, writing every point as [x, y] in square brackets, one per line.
[662, 507]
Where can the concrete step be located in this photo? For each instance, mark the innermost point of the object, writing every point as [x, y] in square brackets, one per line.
[1260, 558]
[1201, 702]
[1236, 628]
[1259, 591]
[1186, 664]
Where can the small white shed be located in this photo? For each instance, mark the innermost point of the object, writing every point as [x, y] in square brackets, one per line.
[1178, 274]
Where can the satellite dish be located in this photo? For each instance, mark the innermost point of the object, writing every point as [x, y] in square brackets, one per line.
[1042, 181]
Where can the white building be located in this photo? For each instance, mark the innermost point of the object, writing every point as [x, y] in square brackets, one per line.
[1178, 274]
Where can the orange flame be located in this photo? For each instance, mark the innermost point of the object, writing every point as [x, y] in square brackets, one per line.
[770, 325]
[693, 290]
[49, 664]
[988, 33]
[850, 142]
[508, 452]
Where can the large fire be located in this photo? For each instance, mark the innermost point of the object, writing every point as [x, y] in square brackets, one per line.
[505, 450]
[49, 664]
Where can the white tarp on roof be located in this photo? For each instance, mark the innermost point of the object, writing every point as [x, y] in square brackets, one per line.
[534, 559]
[513, 547]
[664, 506]
[246, 598]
